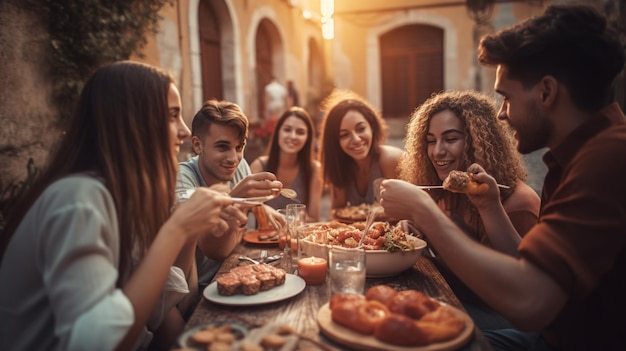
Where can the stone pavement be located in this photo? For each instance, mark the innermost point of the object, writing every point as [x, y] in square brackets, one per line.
[396, 133]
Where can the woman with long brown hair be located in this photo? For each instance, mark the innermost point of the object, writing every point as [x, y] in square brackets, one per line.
[352, 151]
[94, 255]
[291, 158]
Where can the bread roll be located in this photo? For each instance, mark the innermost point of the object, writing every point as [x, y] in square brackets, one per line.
[344, 313]
[412, 303]
[382, 293]
[401, 330]
[441, 325]
[362, 316]
[344, 297]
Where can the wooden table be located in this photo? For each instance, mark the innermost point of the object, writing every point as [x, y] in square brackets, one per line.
[301, 311]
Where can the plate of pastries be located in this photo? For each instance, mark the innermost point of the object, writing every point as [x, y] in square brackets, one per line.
[236, 337]
[390, 320]
[253, 284]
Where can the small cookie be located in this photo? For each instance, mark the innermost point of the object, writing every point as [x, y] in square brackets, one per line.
[273, 341]
[219, 346]
[203, 336]
[247, 346]
[226, 337]
[285, 330]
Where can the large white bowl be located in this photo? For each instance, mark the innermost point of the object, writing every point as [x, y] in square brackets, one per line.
[378, 263]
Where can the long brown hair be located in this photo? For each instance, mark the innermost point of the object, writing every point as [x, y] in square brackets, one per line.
[338, 167]
[305, 155]
[120, 132]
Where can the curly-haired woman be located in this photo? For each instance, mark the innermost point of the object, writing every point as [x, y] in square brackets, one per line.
[352, 153]
[451, 131]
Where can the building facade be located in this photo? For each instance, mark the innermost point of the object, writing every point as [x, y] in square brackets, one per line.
[394, 53]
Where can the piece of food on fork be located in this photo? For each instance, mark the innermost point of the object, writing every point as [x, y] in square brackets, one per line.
[462, 182]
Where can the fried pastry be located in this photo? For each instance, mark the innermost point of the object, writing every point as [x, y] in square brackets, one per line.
[462, 182]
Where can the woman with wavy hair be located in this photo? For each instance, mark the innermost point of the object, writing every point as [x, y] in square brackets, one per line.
[352, 151]
[93, 254]
[450, 131]
[291, 158]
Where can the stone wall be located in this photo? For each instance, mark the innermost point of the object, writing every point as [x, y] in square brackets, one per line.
[27, 120]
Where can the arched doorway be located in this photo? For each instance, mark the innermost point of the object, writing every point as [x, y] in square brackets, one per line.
[268, 49]
[411, 67]
[210, 52]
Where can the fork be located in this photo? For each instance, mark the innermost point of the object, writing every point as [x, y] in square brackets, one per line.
[371, 216]
[427, 187]
[374, 210]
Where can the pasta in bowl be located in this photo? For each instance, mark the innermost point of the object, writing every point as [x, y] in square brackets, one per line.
[389, 249]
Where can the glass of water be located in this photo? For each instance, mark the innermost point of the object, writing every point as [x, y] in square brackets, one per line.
[296, 220]
[346, 270]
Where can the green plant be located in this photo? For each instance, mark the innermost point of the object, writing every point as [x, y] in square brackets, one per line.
[85, 34]
[10, 192]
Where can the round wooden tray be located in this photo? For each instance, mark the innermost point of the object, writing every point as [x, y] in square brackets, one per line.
[352, 339]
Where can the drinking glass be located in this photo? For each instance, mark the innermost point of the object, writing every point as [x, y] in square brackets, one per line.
[312, 242]
[284, 243]
[346, 270]
[296, 219]
[296, 214]
[312, 254]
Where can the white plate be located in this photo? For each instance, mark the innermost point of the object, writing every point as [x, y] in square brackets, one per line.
[292, 287]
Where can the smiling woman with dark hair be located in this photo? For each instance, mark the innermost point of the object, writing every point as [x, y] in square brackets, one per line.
[352, 151]
[291, 158]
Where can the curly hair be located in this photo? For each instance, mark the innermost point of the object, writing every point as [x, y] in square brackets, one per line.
[571, 42]
[488, 142]
[338, 167]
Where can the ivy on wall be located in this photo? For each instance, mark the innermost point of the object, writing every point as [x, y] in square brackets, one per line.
[85, 34]
[10, 193]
